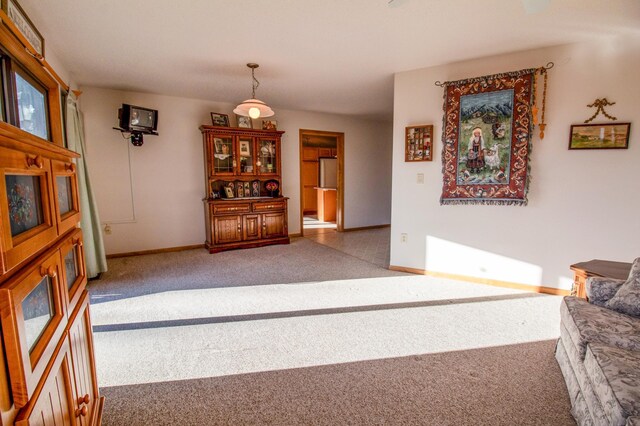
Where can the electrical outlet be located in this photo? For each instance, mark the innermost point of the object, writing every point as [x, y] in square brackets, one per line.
[404, 238]
[107, 229]
[420, 177]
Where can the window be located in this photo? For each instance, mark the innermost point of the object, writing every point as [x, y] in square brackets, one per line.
[32, 107]
[25, 100]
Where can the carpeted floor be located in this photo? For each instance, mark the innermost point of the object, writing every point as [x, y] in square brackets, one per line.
[306, 334]
[506, 385]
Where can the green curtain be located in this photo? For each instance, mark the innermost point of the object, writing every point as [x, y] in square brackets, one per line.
[90, 223]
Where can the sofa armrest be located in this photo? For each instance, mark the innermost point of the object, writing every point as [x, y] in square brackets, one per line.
[600, 289]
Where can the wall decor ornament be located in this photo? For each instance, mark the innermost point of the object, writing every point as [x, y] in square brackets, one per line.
[599, 104]
[486, 137]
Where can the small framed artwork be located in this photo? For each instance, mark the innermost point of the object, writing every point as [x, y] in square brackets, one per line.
[247, 189]
[269, 125]
[228, 191]
[600, 136]
[218, 119]
[245, 148]
[255, 188]
[24, 25]
[418, 143]
[239, 190]
[244, 122]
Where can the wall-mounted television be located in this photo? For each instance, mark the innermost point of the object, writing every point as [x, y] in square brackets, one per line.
[138, 119]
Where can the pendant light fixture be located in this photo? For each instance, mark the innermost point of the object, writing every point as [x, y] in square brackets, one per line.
[253, 107]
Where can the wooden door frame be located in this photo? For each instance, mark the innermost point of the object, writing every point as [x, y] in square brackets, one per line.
[340, 191]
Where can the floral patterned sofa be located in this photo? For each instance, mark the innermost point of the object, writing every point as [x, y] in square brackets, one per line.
[599, 351]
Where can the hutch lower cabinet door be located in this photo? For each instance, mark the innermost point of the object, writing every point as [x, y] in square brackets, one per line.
[52, 404]
[251, 227]
[227, 229]
[87, 400]
[274, 225]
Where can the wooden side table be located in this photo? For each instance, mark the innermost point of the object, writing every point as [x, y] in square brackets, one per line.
[596, 268]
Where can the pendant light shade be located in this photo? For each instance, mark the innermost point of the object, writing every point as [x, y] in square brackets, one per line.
[253, 107]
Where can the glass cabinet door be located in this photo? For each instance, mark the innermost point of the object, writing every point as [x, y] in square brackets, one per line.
[246, 155]
[73, 271]
[25, 206]
[223, 156]
[267, 157]
[66, 201]
[33, 319]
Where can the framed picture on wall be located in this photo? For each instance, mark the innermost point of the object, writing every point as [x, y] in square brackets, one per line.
[418, 143]
[600, 136]
[24, 25]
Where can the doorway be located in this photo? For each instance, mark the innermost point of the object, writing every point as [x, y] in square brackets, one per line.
[321, 181]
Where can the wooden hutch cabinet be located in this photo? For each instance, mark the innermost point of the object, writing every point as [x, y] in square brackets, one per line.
[244, 206]
[47, 368]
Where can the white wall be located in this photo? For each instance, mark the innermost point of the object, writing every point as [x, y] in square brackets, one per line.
[160, 204]
[582, 204]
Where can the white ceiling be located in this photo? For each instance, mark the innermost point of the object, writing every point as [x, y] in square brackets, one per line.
[330, 56]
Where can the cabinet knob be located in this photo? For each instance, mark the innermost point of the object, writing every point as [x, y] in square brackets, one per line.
[83, 399]
[70, 167]
[35, 161]
[50, 271]
[82, 411]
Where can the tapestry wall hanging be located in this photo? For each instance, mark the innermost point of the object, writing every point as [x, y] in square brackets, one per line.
[487, 139]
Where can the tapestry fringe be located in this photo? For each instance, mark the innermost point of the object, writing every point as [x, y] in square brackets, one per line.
[483, 202]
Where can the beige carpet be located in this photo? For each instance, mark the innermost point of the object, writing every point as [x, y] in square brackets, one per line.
[306, 334]
[508, 385]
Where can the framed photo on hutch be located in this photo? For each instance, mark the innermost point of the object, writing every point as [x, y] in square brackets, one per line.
[244, 122]
[218, 119]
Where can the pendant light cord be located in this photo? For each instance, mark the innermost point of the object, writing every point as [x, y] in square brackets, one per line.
[256, 83]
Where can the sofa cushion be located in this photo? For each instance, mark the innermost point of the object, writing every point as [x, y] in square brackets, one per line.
[627, 298]
[615, 376]
[601, 289]
[587, 323]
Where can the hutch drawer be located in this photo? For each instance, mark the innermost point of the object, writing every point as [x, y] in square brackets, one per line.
[272, 205]
[232, 208]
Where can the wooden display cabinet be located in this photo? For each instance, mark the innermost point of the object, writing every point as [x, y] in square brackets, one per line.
[243, 157]
[47, 371]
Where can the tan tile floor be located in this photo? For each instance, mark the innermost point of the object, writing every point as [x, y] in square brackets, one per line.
[371, 245]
